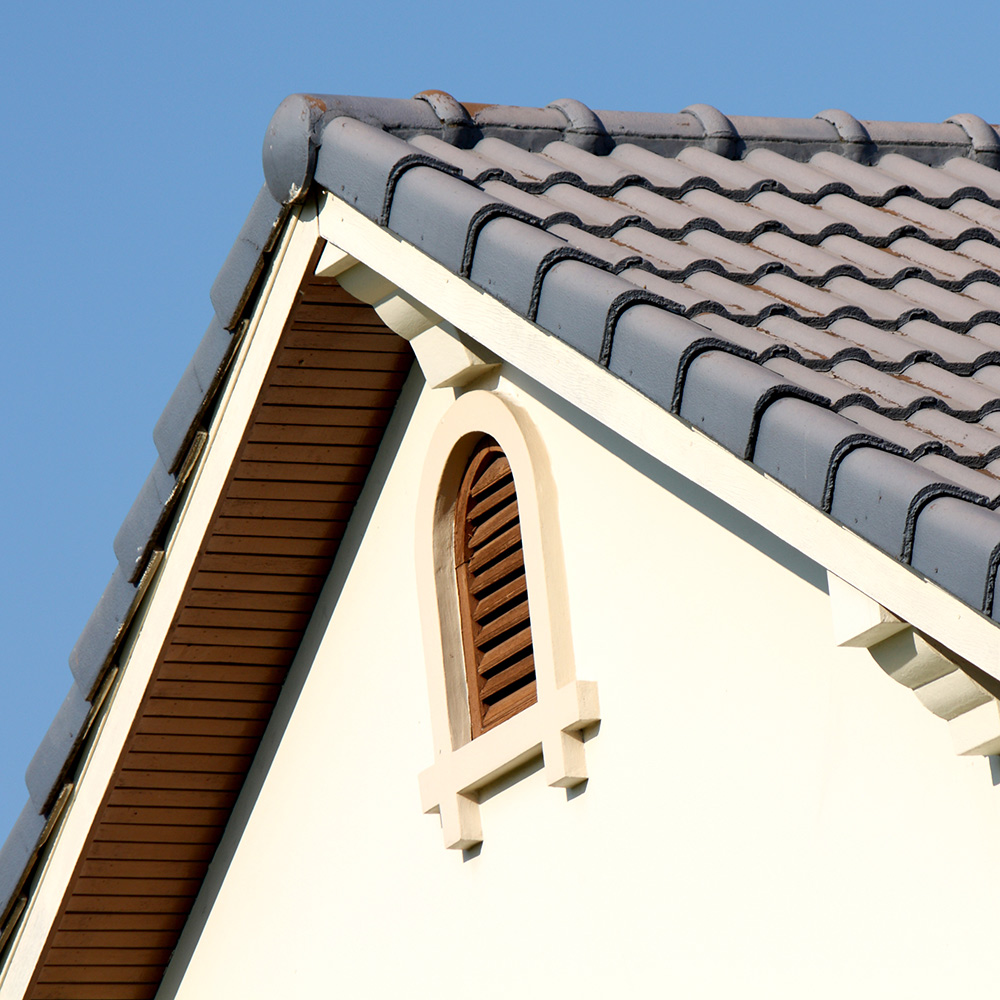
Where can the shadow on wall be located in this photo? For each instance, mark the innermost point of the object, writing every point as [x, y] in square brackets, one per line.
[688, 492]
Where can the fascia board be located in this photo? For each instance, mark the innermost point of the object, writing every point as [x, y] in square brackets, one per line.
[665, 437]
[151, 624]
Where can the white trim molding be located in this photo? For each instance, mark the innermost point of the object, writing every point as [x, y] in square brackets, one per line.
[566, 707]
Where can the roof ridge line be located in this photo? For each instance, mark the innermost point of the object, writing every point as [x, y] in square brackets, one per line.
[295, 131]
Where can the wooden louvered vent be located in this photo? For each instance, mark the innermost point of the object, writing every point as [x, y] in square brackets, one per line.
[493, 593]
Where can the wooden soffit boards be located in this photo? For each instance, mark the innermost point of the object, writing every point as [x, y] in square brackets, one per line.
[303, 460]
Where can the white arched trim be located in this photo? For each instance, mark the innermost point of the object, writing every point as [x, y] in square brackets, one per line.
[565, 707]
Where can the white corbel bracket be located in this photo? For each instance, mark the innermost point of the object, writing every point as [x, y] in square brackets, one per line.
[942, 681]
[553, 725]
[446, 355]
[859, 621]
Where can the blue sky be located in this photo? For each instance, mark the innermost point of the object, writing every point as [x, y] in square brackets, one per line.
[131, 154]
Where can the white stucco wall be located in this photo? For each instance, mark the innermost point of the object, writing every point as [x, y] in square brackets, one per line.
[767, 814]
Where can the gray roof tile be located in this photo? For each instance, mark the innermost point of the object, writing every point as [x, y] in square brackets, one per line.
[921, 334]
[941, 263]
[234, 284]
[660, 170]
[591, 209]
[930, 181]
[898, 432]
[17, 851]
[611, 252]
[883, 508]
[957, 545]
[509, 256]
[854, 260]
[725, 396]
[799, 218]
[973, 174]
[977, 212]
[798, 177]
[471, 163]
[879, 344]
[143, 522]
[860, 178]
[362, 164]
[592, 169]
[660, 212]
[523, 201]
[180, 418]
[523, 163]
[96, 645]
[748, 340]
[652, 350]
[669, 254]
[728, 173]
[974, 481]
[801, 446]
[575, 304]
[48, 764]
[715, 248]
[434, 210]
[965, 439]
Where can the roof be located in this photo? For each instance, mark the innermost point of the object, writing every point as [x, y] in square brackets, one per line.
[820, 296]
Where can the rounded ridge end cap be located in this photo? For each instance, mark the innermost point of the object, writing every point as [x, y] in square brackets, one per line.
[985, 145]
[289, 152]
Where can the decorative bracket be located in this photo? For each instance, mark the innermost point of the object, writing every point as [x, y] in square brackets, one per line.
[446, 355]
[950, 687]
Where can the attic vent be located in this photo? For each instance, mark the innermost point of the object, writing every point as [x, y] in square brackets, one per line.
[493, 594]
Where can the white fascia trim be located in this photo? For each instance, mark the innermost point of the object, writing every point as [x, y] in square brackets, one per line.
[645, 424]
[151, 625]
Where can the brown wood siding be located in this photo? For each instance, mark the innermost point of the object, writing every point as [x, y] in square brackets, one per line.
[492, 591]
[309, 445]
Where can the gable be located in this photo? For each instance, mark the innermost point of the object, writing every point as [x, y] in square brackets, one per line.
[714, 292]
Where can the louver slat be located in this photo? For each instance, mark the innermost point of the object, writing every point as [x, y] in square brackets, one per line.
[508, 542]
[496, 629]
[508, 652]
[517, 588]
[523, 668]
